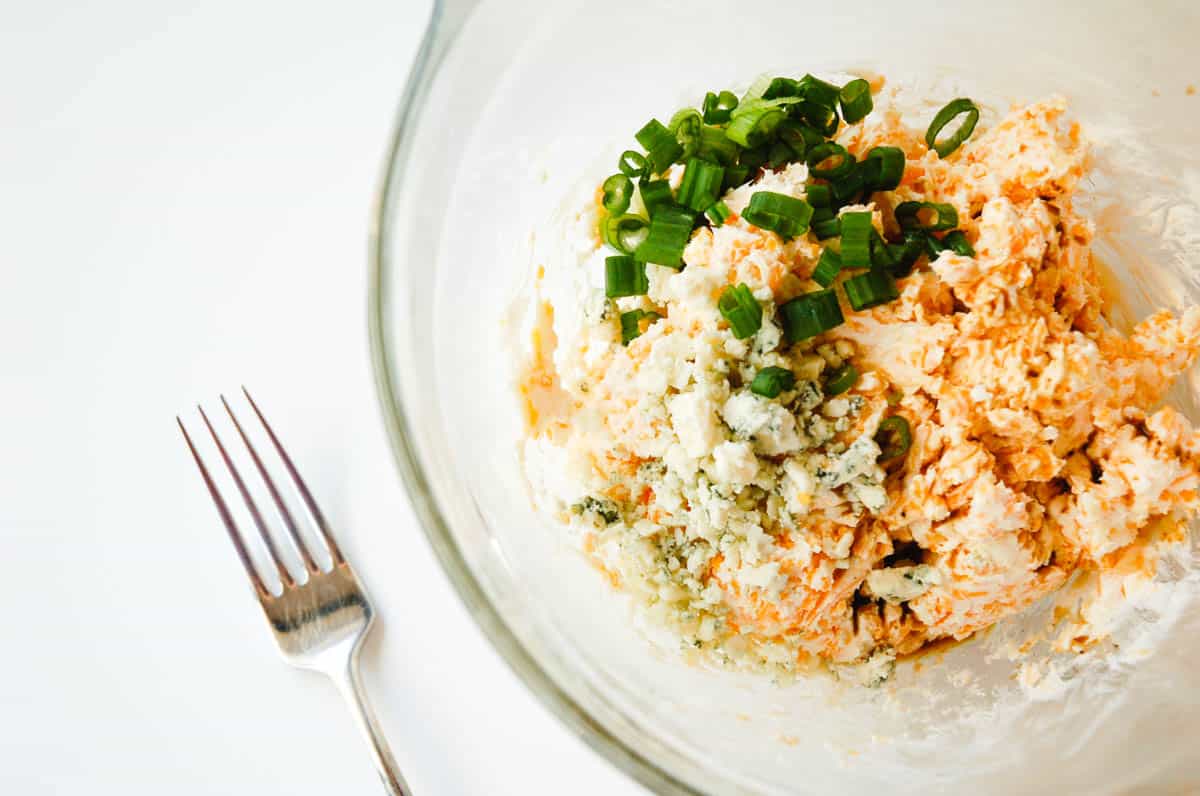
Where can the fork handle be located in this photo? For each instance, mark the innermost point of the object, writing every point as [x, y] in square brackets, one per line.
[350, 685]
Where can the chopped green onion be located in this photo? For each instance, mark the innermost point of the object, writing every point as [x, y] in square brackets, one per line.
[780, 213]
[829, 265]
[841, 379]
[771, 381]
[715, 145]
[618, 190]
[823, 118]
[848, 188]
[810, 314]
[818, 195]
[701, 184]
[894, 437]
[686, 125]
[957, 242]
[856, 239]
[881, 255]
[910, 216]
[871, 289]
[780, 154]
[624, 276]
[795, 136]
[631, 324]
[655, 194]
[753, 122]
[754, 157]
[735, 176]
[661, 147]
[818, 91]
[933, 247]
[953, 109]
[757, 88]
[743, 312]
[819, 104]
[856, 100]
[624, 233]
[670, 229]
[888, 167]
[823, 152]
[632, 164]
[906, 254]
[718, 214]
[825, 223]
[719, 107]
[781, 87]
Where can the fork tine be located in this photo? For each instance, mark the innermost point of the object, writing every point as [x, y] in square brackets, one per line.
[311, 505]
[288, 520]
[226, 517]
[250, 504]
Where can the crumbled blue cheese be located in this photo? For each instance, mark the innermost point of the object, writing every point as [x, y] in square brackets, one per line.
[901, 584]
[768, 425]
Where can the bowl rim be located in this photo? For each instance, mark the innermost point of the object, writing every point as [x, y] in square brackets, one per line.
[445, 20]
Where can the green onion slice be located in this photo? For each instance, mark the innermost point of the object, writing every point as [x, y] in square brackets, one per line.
[714, 145]
[743, 312]
[753, 122]
[624, 276]
[701, 184]
[825, 223]
[719, 107]
[816, 90]
[618, 190]
[631, 324]
[881, 255]
[829, 265]
[818, 195]
[779, 155]
[856, 239]
[927, 216]
[823, 118]
[782, 87]
[894, 437]
[856, 102]
[848, 188]
[624, 233]
[655, 194]
[754, 157]
[841, 379]
[844, 162]
[632, 164]
[736, 175]
[871, 289]
[718, 214]
[661, 147]
[795, 136]
[957, 242]
[771, 381]
[906, 254]
[780, 213]
[888, 163]
[686, 125]
[670, 229]
[810, 314]
[955, 108]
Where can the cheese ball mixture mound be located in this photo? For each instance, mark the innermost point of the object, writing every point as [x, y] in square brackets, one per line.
[919, 468]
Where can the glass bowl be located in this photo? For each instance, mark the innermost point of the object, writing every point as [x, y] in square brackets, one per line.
[509, 106]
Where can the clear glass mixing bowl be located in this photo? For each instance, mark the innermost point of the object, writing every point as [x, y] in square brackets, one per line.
[502, 89]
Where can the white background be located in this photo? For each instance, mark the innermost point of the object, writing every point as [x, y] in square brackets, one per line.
[184, 195]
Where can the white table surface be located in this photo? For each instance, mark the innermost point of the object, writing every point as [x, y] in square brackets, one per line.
[184, 194]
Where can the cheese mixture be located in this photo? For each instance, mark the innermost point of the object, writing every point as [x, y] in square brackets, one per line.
[772, 532]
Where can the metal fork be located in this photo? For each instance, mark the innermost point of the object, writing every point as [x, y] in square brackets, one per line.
[319, 624]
